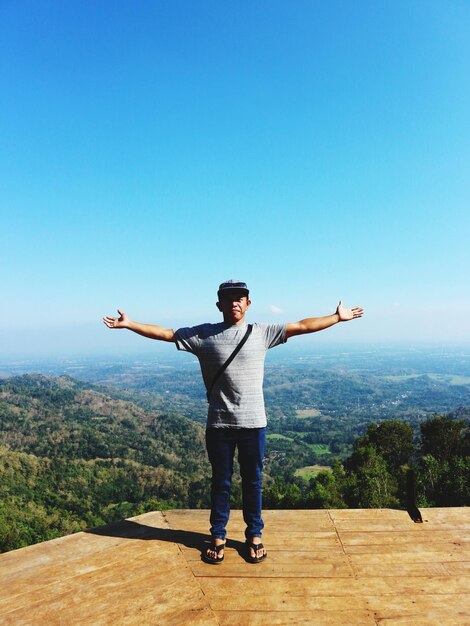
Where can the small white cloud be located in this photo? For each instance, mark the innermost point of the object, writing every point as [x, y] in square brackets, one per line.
[276, 309]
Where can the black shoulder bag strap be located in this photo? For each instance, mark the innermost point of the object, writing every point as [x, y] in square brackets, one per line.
[223, 367]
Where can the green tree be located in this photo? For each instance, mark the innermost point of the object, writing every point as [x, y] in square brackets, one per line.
[327, 488]
[392, 439]
[370, 484]
[443, 438]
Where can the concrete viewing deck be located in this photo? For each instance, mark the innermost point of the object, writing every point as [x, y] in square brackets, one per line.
[324, 567]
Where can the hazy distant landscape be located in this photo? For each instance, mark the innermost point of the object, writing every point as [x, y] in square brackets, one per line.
[324, 400]
[375, 383]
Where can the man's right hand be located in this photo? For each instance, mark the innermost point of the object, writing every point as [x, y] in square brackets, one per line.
[117, 322]
[146, 330]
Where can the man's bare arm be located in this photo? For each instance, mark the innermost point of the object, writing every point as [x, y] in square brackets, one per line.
[146, 330]
[314, 324]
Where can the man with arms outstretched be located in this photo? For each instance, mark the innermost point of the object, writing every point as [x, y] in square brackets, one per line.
[236, 414]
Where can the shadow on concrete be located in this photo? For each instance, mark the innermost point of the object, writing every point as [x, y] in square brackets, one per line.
[128, 529]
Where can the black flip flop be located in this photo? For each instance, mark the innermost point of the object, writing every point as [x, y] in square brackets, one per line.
[255, 547]
[209, 559]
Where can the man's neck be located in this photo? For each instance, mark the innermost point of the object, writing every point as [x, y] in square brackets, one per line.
[232, 322]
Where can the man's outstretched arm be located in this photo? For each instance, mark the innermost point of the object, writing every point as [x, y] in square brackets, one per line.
[146, 330]
[314, 324]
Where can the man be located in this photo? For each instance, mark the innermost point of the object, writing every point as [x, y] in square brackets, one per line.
[236, 414]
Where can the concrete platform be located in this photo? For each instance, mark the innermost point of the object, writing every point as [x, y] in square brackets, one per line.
[340, 567]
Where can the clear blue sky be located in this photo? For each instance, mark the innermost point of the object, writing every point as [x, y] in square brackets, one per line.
[150, 150]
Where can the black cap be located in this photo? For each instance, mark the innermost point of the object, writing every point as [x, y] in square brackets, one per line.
[233, 285]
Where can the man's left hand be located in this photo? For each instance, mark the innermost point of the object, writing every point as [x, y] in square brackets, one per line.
[346, 314]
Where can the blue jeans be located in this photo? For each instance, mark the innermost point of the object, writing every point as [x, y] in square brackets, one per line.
[221, 444]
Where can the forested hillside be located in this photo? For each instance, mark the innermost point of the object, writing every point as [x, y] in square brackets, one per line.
[59, 416]
[73, 456]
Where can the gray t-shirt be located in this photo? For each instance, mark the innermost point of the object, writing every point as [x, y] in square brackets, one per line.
[237, 397]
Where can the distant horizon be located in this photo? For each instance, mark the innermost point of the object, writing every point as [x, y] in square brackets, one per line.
[168, 352]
